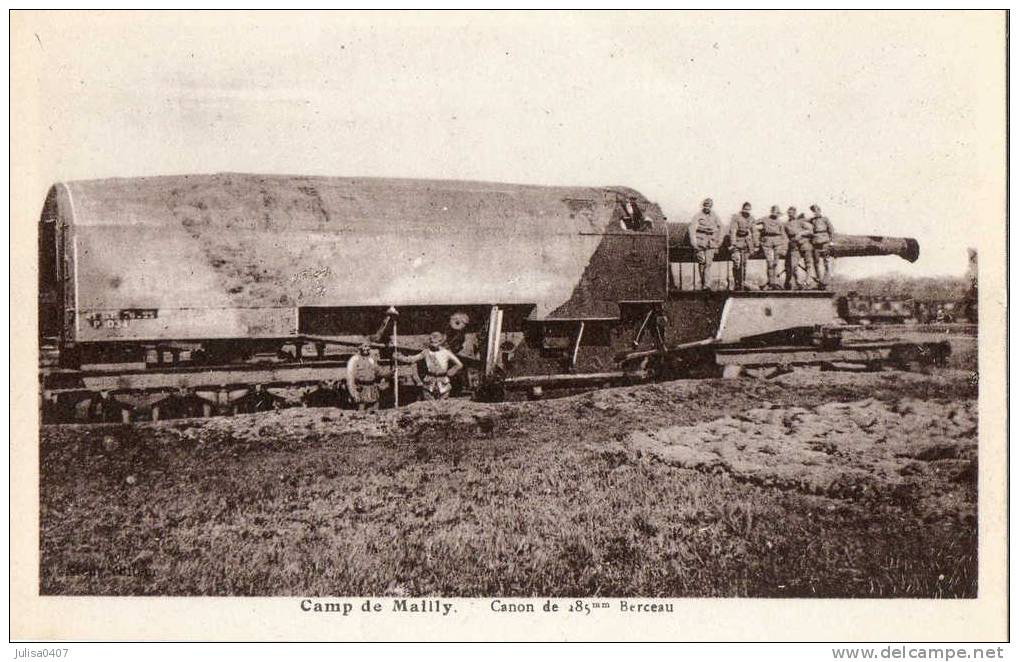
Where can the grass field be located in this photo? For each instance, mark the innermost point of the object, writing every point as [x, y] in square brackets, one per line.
[551, 498]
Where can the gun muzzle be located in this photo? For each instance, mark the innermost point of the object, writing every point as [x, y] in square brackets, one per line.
[855, 245]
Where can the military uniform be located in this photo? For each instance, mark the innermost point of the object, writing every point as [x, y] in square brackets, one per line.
[774, 244]
[706, 238]
[800, 232]
[363, 381]
[437, 383]
[742, 243]
[440, 365]
[821, 240]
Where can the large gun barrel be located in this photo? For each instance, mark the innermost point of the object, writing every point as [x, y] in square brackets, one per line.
[858, 245]
[843, 245]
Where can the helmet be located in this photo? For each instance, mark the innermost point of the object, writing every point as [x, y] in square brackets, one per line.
[775, 210]
[746, 206]
[707, 204]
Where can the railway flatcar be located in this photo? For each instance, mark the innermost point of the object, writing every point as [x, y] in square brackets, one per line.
[202, 294]
[859, 309]
[942, 311]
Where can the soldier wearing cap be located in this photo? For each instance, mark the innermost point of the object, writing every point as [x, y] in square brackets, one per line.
[799, 232]
[440, 365]
[705, 237]
[772, 237]
[742, 243]
[821, 240]
[363, 379]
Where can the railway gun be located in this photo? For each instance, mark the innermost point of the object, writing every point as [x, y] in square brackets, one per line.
[203, 295]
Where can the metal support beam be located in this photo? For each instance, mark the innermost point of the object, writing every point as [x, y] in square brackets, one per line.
[575, 380]
[643, 326]
[576, 347]
[492, 355]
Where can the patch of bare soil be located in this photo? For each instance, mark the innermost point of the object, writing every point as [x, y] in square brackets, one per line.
[810, 484]
[835, 449]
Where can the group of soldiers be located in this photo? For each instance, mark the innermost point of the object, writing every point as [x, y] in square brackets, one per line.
[798, 240]
[364, 375]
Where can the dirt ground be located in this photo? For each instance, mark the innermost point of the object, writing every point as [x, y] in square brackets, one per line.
[814, 483]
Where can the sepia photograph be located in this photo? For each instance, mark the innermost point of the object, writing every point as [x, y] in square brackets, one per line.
[478, 315]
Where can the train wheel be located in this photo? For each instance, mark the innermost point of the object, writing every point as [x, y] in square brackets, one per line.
[491, 391]
[656, 368]
[57, 409]
[103, 408]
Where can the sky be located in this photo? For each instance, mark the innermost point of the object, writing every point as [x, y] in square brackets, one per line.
[892, 122]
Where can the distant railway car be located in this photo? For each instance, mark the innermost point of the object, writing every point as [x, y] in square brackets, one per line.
[859, 309]
[942, 311]
[198, 294]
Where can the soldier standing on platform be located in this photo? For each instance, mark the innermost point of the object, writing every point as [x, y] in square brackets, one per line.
[771, 234]
[799, 231]
[824, 232]
[742, 244]
[705, 237]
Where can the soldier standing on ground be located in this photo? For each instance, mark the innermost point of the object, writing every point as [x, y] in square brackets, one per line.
[705, 237]
[771, 234]
[440, 365]
[363, 379]
[824, 232]
[742, 244]
[799, 231]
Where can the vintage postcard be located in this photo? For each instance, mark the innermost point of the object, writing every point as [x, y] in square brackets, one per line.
[671, 326]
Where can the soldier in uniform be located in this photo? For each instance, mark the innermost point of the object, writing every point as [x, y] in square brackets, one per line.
[799, 231]
[440, 365]
[705, 237]
[824, 232]
[633, 216]
[742, 243]
[363, 379]
[771, 234]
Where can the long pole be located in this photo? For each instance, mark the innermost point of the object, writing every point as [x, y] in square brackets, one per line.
[396, 368]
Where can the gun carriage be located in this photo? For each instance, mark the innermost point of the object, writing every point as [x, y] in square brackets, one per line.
[207, 294]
